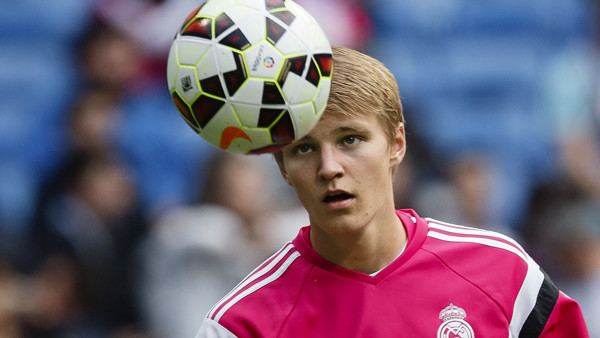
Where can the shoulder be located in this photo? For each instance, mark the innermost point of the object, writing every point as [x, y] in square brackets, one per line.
[481, 256]
[499, 267]
[259, 305]
[447, 238]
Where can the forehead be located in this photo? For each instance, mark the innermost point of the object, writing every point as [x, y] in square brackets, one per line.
[332, 124]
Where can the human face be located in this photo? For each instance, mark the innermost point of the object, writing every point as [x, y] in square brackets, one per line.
[342, 173]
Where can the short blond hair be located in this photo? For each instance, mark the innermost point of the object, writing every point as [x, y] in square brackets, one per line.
[363, 85]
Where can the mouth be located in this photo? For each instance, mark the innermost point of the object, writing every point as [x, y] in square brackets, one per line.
[337, 199]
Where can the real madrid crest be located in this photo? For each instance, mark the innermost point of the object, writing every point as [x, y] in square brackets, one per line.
[454, 325]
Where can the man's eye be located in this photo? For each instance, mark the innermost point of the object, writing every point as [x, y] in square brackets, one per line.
[351, 140]
[303, 149]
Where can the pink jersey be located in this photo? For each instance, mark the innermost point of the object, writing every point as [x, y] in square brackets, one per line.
[450, 281]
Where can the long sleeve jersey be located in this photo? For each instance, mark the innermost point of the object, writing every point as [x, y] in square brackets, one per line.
[450, 281]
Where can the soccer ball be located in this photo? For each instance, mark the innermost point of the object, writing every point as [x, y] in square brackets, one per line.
[250, 76]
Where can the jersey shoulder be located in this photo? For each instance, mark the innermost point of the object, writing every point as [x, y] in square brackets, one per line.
[261, 302]
[454, 241]
[493, 262]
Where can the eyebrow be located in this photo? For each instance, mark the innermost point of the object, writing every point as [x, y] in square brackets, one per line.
[338, 130]
[359, 129]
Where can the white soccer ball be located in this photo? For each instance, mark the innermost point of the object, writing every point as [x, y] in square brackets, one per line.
[250, 76]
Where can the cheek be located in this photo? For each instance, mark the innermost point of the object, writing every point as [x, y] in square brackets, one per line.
[376, 171]
[304, 196]
[298, 172]
[300, 180]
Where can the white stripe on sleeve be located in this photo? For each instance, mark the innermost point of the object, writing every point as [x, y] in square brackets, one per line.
[258, 285]
[257, 273]
[527, 297]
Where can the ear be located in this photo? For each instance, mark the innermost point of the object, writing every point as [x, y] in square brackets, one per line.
[398, 147]
[281, 165]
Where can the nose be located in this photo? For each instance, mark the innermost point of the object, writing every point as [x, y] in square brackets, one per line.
[330, 166]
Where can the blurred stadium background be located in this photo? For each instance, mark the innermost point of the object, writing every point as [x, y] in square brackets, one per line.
[116, 220]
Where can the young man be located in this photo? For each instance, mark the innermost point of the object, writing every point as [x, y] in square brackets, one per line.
[363, 269]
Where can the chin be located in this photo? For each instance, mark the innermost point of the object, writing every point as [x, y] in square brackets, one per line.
[342, 225]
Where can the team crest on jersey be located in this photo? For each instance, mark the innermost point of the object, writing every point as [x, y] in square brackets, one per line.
[454, 325]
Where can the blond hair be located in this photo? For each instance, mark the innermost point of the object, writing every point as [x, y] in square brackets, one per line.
[363, 85]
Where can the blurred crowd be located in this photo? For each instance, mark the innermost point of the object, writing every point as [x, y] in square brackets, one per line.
[117, 220]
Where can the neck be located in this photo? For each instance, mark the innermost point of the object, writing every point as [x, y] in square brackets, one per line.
[371, 249]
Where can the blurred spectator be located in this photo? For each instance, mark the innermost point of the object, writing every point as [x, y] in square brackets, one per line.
[462, 193]
[90, 130]
[564, 232]
[93, 121]
[54, 303]
[195, 254]
[92, 215]
[111, 60]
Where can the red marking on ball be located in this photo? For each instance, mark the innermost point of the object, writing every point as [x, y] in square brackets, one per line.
[231, 133]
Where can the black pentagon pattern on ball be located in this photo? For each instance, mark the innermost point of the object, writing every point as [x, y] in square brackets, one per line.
[236, 40]
[283, 130]
[185, 112]
[282, 134]
[212, 85]
[200, 27]
[235, 78]
[205, 108]
[222, 23]
[191, 16]
[286, 16]
[313, 75]
[267, 116]
[295, 65]
[273, 4]
[274, 31]
[324, 61]
[272, 94]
